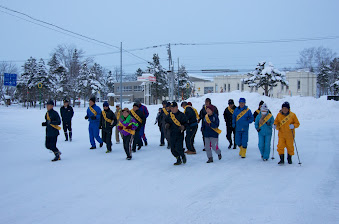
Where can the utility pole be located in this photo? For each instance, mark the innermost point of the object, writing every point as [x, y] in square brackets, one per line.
[121, 75]
[170, 70]
[178, 80]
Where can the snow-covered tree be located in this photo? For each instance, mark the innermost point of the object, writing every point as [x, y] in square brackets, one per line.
[44, 78]
[312, 58]
[266, 77]
[7, 67]
[28, 81]
[89, 84]
[323, 78]
[335, 76]
[159, 88]
[182, 83]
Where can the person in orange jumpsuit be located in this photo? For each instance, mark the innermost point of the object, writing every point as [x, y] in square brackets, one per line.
[286, 122]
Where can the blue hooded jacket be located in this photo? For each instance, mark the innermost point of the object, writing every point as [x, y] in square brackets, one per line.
[243, 123]
[265, 129]
[207, 128]
[97, 117]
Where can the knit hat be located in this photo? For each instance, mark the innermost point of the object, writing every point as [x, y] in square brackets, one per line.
[92, 99]
[210, 107]
[125, 109]
[189, 103]
[164, 102]
[50, 102]
[136, 105]
[105, 104]
[66, 101]
[168, 104]
[184, 103]
[264, 107]
[242, 100]
[261, 103]
[208, 100]
[230, 101]
[286, 104]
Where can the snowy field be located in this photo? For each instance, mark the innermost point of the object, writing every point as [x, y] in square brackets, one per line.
[90, 186]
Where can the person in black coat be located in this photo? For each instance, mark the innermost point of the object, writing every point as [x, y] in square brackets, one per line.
[176, 122]
[139, 116]
[67, 113]
[161, 122]
[228, 113]
[192, 127]
[203, 113]
[107, 122]
[52, 129]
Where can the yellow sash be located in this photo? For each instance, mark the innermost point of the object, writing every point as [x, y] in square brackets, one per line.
[136, 116]
[165, 111]
[268, 116]
[175, 120]
[132, 132]
[195, 111]
[242, 113]
[230, 109]
[284, 121]
[93, 111]
[258, 111]
[106, 119]
[217, 130]
[53, 125]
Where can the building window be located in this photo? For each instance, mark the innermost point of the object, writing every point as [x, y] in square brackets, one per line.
[242, 87]
[208, 90]
[251, 88]
[298, 86]
[282, 87]
[229, 87]
[238, 86]
[137, 88]
[127, 88]
[117, 89]
[256, 88]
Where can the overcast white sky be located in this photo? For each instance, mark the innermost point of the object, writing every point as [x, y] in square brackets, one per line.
[153, 22]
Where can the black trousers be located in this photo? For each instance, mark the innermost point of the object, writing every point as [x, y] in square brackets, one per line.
[128, 141]
[177, 143]
[162, 137]
[189, 139]
[137, 140]
[50, 143]
[107, 138]
[67, 125]
[230, 129]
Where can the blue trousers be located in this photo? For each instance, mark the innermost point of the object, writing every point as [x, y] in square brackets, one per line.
[93, 130]
[265, 145]
[241, 138]
[142, 133]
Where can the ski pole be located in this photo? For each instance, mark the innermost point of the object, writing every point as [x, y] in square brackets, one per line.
[296, 147]
[273, 144]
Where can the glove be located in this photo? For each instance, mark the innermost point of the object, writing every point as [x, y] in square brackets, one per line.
[291, 126]
[274, 126]
[120, 128]
[129, 127]
[93, 117]
[182, 127]
[167, 126]
[44, 124]
[258, 130]
[86, 117]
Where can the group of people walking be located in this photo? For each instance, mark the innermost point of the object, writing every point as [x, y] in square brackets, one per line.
[130, 126]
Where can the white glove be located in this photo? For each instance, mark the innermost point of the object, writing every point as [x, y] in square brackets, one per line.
[291, 126]
[274, 126]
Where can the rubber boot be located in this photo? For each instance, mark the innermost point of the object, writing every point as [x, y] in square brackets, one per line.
[243, 155]
[66, 136]
[289, 159]
[178, 161]
[241, 149]
[57, 157]
[184, 159]
[210, 160]
[282, 159]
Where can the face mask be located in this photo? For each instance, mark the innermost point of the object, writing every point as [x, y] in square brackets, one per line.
[264, 112]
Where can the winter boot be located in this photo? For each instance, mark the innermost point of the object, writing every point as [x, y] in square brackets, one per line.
[241, 149]
[219, 157]
[145, 141]
[93, 147]
[57, 157]
[234, 146]
[129, 157]
[184, 159]
[66, 136]
[178, 161]
[109, 150]
[230, 145]
[101, 144]
[70, 136]
[210, 160]
[289, 159]
[243, 155]
[281, 159]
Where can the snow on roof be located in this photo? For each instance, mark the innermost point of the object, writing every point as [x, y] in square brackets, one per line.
[7, 97]
[110, 94]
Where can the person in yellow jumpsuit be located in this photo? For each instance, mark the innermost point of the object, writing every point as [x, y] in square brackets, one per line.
[286, 122]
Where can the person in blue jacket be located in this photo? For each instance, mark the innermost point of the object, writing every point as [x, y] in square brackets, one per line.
[210, 124]
[241, 119]
[93, 116]
[264, 123]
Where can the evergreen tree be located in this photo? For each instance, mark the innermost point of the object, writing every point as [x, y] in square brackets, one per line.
[335, 76]
[28, 81]
[182, 83]
[159, 88]
[323, 79]
[266, 77]
[44, 78]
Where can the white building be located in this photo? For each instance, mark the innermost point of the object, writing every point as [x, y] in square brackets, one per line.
[301, 83]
